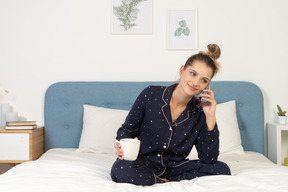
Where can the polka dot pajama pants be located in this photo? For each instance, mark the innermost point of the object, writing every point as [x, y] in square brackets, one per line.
[139, 173]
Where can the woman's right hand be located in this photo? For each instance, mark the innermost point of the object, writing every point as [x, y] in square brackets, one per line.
[119, 151]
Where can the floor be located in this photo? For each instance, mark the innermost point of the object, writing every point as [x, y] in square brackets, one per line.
[4, 167]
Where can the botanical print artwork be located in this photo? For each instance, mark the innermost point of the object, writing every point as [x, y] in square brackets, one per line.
[127, 13]
[183, 29]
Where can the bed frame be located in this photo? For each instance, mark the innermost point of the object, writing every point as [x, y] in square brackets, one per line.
[64, 101]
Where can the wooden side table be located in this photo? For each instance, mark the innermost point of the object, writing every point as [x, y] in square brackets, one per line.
[277, 142]
[18, 146]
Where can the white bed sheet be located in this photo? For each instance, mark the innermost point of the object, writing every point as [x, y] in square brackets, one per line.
[64, 170]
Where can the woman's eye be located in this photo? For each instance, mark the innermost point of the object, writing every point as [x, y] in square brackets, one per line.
[193, 74]
[205, 81]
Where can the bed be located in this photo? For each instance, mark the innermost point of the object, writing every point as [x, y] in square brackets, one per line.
[79, 136]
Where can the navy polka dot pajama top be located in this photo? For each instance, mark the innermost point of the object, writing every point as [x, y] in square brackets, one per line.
[165, 145]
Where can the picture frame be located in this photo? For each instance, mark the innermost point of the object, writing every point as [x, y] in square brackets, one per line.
[136, 19]
[182, 29]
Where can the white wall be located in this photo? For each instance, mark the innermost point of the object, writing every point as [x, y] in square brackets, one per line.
[45, 41]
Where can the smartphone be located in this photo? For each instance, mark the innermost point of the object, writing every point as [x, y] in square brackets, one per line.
[203, 92]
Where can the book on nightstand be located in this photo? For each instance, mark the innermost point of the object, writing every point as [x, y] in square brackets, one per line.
[21, 125]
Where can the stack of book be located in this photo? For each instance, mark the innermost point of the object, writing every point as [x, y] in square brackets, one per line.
[21, 125]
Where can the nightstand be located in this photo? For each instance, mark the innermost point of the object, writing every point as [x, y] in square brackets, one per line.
[277, 142]
[18, 146]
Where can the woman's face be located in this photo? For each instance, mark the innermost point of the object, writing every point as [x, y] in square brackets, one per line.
[195, 78]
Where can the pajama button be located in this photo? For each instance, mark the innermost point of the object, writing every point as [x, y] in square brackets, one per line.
[158, 155]
[164, 146]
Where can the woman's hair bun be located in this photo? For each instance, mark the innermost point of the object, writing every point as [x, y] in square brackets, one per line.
[214, 51]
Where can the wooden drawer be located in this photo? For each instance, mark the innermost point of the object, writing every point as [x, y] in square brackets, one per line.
[17, 146]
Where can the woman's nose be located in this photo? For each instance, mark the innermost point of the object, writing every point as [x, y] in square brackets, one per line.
[196, 82]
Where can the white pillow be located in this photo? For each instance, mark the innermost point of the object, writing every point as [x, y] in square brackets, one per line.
[230, 138]
[100, 126]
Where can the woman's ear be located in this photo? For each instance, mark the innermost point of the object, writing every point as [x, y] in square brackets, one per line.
[181, 70]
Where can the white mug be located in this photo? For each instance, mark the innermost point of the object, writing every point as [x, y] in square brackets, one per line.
[130, 148]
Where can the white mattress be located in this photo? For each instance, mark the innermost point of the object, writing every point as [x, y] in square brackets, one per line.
[66, 170]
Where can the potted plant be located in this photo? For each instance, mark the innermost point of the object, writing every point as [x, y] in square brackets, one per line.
[282, 115]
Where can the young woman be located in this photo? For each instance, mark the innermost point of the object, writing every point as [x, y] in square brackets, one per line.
[169, 121]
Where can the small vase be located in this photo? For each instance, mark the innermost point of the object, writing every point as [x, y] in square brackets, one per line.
[5, 108]
[282, 120]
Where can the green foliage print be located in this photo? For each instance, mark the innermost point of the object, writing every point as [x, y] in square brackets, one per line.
[127, 13]
[183, 29]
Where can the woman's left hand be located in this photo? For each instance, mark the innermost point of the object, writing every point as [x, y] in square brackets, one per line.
[209, 108]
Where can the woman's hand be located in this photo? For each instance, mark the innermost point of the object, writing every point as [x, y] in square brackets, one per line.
[209, 108]
[119, 151]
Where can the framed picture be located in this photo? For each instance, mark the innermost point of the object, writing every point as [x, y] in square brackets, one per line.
[182, 29]
[131, 17]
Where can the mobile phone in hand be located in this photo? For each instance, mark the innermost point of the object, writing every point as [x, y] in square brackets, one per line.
[204, 92]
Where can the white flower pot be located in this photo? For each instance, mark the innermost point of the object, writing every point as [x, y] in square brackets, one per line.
[282, 120]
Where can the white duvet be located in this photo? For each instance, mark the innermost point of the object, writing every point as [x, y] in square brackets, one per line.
[64, 170]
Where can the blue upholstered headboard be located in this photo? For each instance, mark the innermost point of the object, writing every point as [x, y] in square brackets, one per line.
[64, 108]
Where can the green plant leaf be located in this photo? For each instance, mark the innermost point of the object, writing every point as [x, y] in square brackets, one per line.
[182, 23]
[280, 112]
[178, 32]
[127, 12]
[186, 31]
